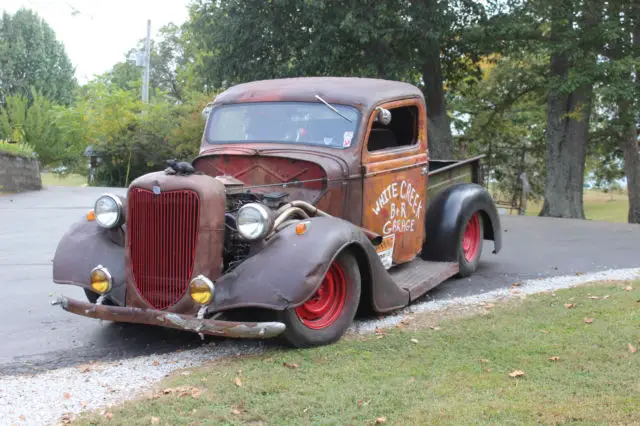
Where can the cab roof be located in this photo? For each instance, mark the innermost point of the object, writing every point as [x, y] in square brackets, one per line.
[362, 92]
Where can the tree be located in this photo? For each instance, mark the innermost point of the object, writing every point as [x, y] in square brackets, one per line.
[234, 41]
[32, 58]
[168, 66]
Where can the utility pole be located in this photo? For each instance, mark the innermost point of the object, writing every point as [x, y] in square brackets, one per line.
[147, 63]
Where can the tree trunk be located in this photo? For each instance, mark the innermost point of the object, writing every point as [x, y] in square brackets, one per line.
[438, 127]
[567, 133]
[629, 140]
[631, 150]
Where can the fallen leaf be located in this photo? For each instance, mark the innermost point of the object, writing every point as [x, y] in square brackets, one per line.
[66, 395]
[292, 366]
[554, 358]
[414, 340]
[594, 297]
[84, 368]
[545, 331]
[380, 336]
[156, 363]
[569, 305]
[606, 296]
[487, 370]
[235, 412]
[186, 373]
[588, 320]
[108, 415]
[632, 349]
[484, 361]
[628, 288]
[516, 373]
[381, 420]
[411, 380]
[380, 331]
[238, 382]
[22, 417]
[155, 420]
[239, 372]
[195, 393]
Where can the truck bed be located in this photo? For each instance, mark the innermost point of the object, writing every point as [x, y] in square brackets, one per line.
[444, 173]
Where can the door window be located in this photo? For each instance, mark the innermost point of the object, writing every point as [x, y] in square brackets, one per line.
[401, 131]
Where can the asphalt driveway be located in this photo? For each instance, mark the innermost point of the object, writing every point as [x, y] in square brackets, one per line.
[36, 336]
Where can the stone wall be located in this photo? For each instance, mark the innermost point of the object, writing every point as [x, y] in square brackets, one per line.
[18, 174]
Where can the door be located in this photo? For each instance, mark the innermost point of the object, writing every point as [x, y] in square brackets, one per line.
[394, 158]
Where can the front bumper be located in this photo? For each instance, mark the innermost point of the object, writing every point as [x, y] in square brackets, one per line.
[250, 330]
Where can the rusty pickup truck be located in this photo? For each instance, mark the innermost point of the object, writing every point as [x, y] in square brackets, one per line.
[312, 200]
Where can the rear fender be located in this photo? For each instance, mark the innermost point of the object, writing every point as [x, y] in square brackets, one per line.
[83, 247]
[291, 267]
[449, 211]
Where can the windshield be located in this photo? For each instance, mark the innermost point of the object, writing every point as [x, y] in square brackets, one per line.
[284, 122]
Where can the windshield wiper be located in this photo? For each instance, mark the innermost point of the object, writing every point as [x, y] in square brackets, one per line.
[332, 108]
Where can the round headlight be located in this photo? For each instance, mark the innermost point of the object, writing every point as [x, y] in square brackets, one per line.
[108, 210]
[253, 221]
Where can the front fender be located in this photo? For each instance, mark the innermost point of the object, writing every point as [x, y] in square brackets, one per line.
[449, 211]
[290, 268]
[83, 247]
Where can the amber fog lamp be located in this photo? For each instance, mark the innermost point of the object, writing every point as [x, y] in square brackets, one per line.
[201, 290]
[101, 281]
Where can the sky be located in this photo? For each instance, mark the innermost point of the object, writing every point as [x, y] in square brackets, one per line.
[98, 33]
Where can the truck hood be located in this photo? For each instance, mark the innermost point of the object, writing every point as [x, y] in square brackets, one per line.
[305, 174]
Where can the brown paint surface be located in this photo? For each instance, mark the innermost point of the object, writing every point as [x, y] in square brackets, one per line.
[395, 189]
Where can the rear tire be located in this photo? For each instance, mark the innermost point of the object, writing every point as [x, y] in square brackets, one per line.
[470, 241]
[327, 314]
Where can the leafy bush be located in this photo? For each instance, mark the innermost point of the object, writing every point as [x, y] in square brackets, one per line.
[129, 137]
[20, 149]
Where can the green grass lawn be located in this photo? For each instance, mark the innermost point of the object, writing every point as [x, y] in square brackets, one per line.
[52, 179]
[597, 206]
[455, 373]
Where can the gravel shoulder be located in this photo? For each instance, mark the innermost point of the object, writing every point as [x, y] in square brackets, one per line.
[43, 399]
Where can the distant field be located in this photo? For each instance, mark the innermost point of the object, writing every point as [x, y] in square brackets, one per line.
[597, 206]
[51, 179]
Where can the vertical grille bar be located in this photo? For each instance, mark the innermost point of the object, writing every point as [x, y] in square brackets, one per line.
[163, 233]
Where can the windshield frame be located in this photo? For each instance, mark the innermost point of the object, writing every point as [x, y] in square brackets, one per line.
[356, 125]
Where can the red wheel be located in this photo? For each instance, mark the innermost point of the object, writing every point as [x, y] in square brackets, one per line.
[325, 306]
[470, 243]
[326, 315]
[471, 238]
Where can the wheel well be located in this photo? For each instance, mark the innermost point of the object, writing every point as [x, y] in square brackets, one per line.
[365, 306]
[486, 226]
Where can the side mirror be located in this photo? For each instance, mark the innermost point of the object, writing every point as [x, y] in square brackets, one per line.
[206, 111]
[383, 116]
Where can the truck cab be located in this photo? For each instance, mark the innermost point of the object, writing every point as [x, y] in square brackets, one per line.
[310, 199]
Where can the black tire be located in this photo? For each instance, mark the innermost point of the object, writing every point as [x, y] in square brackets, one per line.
[300, 335]
[93, 297]
[468, 266]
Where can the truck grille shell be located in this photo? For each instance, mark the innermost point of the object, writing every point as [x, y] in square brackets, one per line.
[162, 238]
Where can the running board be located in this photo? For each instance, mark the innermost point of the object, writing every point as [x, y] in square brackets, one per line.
[419, 276]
